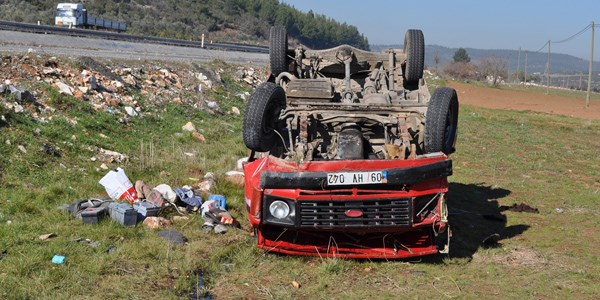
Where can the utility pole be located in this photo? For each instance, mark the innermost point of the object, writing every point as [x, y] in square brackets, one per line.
[526, 52]
[587, 97]
[580, 79]
[548, 70]
[518, 66]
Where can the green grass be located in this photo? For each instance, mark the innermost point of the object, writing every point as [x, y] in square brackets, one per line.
[503, 157]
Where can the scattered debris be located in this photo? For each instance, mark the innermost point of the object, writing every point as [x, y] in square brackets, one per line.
[520, 208]
[559, 210]
[172, 236]
[58, 259]
[207, 183]
[47, 236]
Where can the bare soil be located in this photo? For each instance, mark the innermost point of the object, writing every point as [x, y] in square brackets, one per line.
[523, 101]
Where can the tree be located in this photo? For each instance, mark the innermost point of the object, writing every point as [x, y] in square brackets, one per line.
[461, 55]
[436, 59]
[494, 69]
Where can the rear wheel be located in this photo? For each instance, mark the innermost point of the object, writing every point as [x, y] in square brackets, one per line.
[441, 121]
[262, 116]
[414, 48]
[278, 50]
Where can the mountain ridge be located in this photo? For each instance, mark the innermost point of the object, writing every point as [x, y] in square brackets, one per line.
[536, 62]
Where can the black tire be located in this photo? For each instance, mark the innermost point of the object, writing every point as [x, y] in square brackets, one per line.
[278, 50]
[262, 115]
[414, 47]
[441, 121]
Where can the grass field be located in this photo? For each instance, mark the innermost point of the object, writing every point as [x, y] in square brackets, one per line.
[503, 157]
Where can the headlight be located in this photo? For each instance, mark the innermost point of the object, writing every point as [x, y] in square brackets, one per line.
[279, 209]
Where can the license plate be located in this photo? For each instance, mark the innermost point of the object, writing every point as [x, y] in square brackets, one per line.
[353, 178]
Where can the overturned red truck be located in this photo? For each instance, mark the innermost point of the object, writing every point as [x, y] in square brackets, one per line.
[349, 153]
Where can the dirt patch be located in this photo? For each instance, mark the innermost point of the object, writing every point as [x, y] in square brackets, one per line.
[520, 100]
[514, 257]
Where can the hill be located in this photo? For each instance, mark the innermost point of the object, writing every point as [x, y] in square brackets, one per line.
[536, 62]
[237, 21]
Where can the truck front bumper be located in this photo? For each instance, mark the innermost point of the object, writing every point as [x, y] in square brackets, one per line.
[405, 217]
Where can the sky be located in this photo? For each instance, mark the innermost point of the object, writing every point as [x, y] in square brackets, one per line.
[508, 24]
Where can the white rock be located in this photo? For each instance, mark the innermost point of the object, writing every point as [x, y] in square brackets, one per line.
[65, 89]
[22, 149]
[103, 167]
[131, 111]
[18, 107]
[83, 89]
[212, 104]
[189, 127]
[235, 111]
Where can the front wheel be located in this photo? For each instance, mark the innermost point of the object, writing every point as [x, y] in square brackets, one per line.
[441, 121]
[262, 116]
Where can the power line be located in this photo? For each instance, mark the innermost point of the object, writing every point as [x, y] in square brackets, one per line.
[542, 48]
[575, 35]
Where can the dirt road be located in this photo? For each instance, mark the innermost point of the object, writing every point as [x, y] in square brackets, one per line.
[519, 100]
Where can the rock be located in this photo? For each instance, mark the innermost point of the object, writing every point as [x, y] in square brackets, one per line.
[64, 89]
[111, 156]
[212, 105]
[129, 79]
[131, 111]
[189, 126]
[22, 149]
[21, 94]
[49, 71]
[7, 142]
[117, 84]
[198, 137]
[93, 82]
[235, 177]
[177, 100]
[103, 166]
[156, 222]
[37, 131]
[235, 111]
[295, 284]
[83, 89]
[3, 88]
[18, 108]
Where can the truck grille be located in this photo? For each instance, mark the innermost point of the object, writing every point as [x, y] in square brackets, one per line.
[375, 213]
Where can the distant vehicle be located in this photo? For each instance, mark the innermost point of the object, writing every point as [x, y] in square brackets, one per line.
[74, 15]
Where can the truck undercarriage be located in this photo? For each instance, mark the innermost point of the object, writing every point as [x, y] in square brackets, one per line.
[356, 149]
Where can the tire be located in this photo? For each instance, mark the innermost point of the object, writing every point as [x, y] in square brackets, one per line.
[414, 47]
[441, 121]
[278, 50]
[261, 117]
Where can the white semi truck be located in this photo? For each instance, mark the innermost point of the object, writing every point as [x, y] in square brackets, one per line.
[74, 15]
